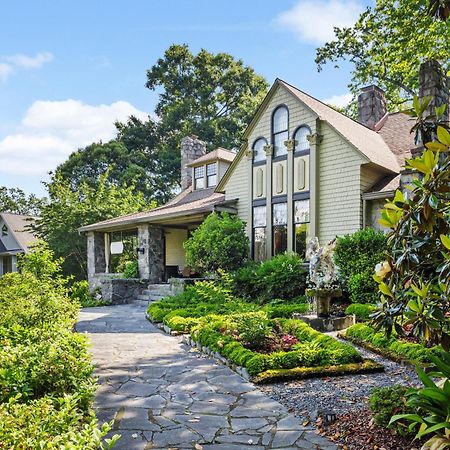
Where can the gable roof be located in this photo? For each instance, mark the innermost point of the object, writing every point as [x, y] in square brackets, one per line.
[220, 153]
[366, 141]
[19, 226]
[187, 203]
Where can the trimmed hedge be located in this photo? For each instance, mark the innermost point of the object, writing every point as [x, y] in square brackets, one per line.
[393, 347]
[362, 311]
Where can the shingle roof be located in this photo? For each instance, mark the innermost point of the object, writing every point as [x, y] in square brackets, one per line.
[367, 141]
[187, 203]
[2, 247]
[219, 153]
[19, 224]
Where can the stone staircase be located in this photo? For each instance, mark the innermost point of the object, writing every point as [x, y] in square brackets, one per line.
[153, 293]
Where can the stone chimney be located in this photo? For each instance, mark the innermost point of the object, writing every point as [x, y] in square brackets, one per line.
[191, 149]
[434, 83]
[371, 106]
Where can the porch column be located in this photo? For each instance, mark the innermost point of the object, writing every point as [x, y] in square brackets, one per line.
[96, 261]
[151, 253]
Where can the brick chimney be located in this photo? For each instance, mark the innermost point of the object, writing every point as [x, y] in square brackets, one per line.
[371, 106]
[434, 83]
[191, 149]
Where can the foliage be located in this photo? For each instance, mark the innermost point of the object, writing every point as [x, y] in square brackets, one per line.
[80, 292]
[14, 200]
[68, 210]
[386, 46]
[362, 311]
[357, 255]
[415, 279]
[431, 406]
[210, 95]
[252, 328]
[131, 270]
[282, 277]
[387, 401]
[404, 349]
[220, 242]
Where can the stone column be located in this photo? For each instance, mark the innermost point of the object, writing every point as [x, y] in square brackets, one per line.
[371, 106]
[151, 256]
[191, 149]
[314, 141]
[269, 152]
[96, 262]
[290, 143]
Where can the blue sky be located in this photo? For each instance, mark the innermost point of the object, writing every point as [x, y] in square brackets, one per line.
[68, 69]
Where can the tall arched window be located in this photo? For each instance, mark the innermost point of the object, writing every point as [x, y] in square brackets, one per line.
[300, 138]
[259, 154]
[280, 133]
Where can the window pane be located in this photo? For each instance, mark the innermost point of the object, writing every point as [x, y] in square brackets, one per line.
[280, 119]
[211, 169]
[259, 216]
[279, 214]
[258, 150]
[300, 137]
[301, 237]
[259, 244]
[301, 211]
[199, 172]
[212, 180]
[278, 142]
[279, 239]
[199, 183]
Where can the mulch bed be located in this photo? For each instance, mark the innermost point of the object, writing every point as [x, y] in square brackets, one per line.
[356, 431]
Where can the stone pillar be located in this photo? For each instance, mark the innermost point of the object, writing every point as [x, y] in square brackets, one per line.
[290, 143]
[434, 83]
[314, 141]
[371, 106]
[151, 256]
[269, 152]
[191, 149]
[96, 262]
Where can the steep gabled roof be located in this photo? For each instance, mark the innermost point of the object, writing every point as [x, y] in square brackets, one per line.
[19, 226]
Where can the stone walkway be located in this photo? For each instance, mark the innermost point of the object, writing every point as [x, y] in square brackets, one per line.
[164, 395]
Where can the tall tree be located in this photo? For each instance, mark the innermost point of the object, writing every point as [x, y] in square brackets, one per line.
[14, 200]
[386, 46]
[70, 209]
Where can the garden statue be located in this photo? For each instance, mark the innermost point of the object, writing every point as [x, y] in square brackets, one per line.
[323, 275]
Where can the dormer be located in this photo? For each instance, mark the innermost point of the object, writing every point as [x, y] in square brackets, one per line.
[209, 169]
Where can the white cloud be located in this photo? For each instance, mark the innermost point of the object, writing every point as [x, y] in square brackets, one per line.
[10, 63]
[51, 130]
[339, 100]
[314, 21]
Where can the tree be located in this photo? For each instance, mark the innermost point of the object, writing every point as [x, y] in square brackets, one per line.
[70, 209]
[219, 242]
[211, 95]
[386, 46]
[14, 200]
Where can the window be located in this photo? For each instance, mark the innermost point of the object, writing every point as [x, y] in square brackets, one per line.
[300, 138]
[259, 154]
[7, 264]
[259, 233]
[199, 177]
[4, 230]
[211, 174]
[279, 221]
[280, 132]
[301, 226]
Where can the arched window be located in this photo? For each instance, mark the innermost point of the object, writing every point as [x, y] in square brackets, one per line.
[280, 133]
[259, 154]
[300, 138]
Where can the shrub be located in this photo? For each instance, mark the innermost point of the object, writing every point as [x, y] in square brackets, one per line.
[131, 270]
[282, 277]
[362, 311]
[253, 327]
[220, 242]
[357, 255]
[387, 401]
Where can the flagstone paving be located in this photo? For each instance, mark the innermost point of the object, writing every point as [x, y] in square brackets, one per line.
[164, 395]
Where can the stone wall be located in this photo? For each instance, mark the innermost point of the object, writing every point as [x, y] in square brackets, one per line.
[191, 149]
[117, 291]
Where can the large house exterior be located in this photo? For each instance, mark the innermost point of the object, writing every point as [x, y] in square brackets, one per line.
[303, 170]
[15, 239]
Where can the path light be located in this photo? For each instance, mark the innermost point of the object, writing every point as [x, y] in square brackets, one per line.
[329, 417]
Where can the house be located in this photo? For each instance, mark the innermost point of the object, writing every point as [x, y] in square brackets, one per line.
[303, 170]
[15, 239]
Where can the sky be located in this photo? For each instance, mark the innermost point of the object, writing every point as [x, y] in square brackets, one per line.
[70, 69]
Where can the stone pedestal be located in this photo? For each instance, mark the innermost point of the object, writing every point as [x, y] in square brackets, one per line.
[151, 253]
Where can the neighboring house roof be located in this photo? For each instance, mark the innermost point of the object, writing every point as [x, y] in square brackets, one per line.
[220, 153]
[3, 249]
[19, 226]
[383, 188]
[187, 203]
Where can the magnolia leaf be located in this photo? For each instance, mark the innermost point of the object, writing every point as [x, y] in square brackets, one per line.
[436, 146]
[445, 240]
[443, 136]
[384, 289]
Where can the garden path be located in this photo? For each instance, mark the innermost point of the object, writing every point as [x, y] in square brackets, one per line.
[164, 395]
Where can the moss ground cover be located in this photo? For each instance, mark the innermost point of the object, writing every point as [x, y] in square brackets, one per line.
[393, 347]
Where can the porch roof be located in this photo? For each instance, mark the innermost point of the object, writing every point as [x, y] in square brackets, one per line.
[189, 206]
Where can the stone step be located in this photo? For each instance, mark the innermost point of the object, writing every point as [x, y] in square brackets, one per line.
[147, 292]
[139, 302]
[159, 287]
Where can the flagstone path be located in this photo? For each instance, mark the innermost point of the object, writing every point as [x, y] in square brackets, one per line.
[164, 395]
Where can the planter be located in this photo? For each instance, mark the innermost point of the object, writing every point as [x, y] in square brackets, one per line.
[323, 299]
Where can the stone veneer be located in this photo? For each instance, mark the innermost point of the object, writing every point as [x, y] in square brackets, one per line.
[371, 106]
[151, 261]
[191, 149]
[115, 290]
[96, 262]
